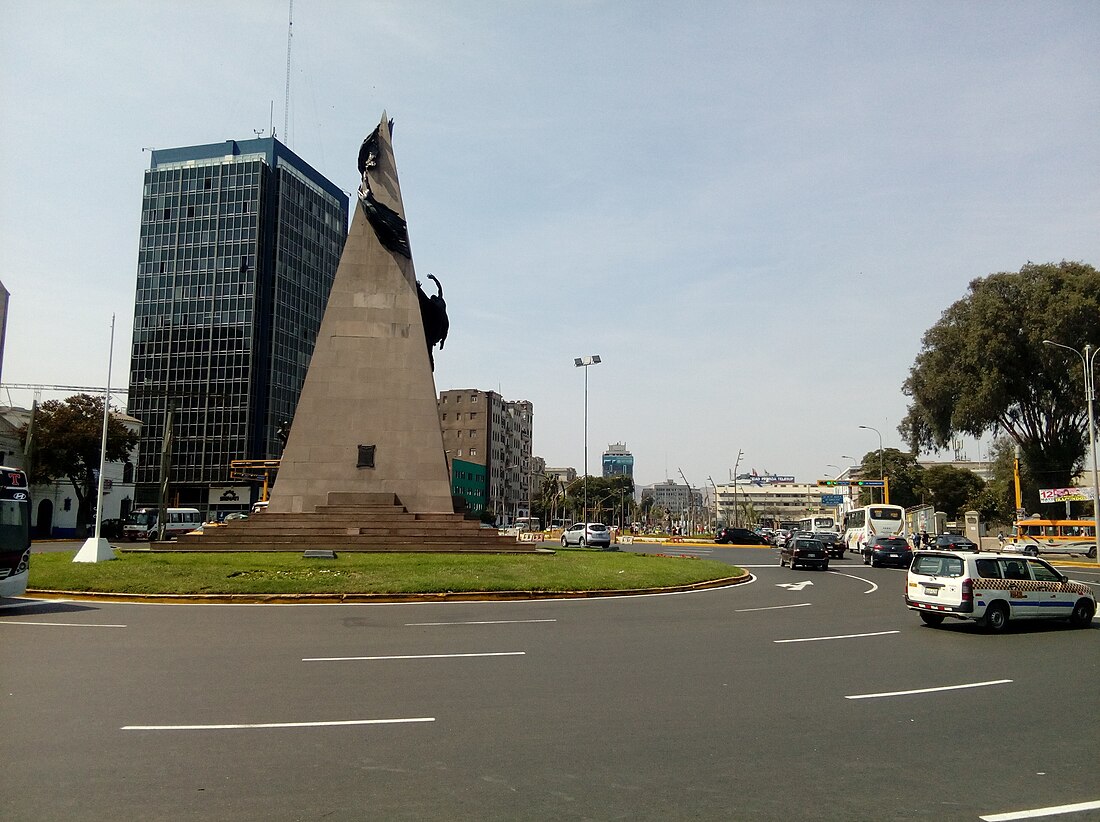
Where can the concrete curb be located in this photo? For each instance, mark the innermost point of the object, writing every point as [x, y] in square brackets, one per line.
[343, 599]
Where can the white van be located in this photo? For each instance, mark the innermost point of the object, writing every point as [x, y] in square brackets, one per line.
[141, 524]
[993, 589]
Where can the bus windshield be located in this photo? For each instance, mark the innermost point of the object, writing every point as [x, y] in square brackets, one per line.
[143, 518]
[14, 524]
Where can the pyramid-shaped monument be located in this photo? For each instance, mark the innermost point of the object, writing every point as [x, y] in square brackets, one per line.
[367, 420]
[364, 468]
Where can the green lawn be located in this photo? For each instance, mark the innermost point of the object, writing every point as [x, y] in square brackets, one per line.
[350, 573]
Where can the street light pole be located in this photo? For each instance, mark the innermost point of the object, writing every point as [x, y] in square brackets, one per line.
[585, 362]
[1088, 362]
[880, 471]
[736, 463]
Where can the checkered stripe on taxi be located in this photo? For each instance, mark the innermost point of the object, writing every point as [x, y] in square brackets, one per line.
[984, 584]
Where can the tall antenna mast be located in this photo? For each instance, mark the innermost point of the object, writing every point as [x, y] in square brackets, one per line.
[286, 102]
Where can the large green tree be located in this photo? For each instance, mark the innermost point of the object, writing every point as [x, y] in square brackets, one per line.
[67, 439]
[984, 367]
[952, 488]
[905, 476]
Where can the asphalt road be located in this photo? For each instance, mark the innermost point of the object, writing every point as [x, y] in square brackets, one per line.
[791, 697]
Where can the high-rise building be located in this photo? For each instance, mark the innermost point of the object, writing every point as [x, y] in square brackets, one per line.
[617, 461]
[239, 247]
[483, 428]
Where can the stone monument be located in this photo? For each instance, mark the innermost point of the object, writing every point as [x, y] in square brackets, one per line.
[363, 466]
[367, 420]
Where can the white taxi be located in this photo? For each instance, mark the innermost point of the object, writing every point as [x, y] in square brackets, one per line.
[993, 589]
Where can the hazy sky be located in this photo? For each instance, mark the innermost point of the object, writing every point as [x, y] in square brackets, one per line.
[751, 211]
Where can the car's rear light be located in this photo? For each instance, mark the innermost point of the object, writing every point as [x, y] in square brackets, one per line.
[967, 590]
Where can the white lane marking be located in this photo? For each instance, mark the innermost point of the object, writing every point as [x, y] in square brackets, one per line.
[793, 586]
[870, 590]
[771, 608]
[275, 725]
[1053, 810]
[932, 690]
[484, 622]
[408, 656]
[62, 624]
[839, 636]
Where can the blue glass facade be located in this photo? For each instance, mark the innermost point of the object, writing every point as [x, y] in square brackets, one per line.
[617, 461]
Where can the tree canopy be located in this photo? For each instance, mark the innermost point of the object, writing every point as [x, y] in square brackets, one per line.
[67, 440]
[952, 489]
[905, 477]
[984, 367]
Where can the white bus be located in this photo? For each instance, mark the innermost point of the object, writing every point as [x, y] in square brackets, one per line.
[818, 522]
[15, 532]
[142, 524]
[861, 525]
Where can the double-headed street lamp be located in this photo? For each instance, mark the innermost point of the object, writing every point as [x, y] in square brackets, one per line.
[585, 362]
[880, 471]
[1088, 361]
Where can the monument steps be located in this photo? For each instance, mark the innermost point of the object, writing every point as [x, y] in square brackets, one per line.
[352, 523]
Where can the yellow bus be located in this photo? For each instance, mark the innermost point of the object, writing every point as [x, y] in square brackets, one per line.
[1035, 535]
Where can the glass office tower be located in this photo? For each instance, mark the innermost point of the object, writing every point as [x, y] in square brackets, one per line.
[239, 247]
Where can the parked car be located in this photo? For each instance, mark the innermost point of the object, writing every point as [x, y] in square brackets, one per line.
[592, 534]
[887, 551]
[954, 542]
[739, 536]
[804, 550]
[993, 590]
[832, 542]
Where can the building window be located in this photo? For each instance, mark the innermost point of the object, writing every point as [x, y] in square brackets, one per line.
[473, 452]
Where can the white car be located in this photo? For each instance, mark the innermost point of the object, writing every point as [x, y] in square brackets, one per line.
[592, 534]
[992, 590]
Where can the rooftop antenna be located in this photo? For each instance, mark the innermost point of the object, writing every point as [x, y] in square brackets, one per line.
[286, 102]
[259, 132]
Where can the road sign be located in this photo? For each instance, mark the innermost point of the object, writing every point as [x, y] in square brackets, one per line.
[852, 483]
[832, 499]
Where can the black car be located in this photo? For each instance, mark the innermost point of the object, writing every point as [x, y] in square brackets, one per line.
[803, 549]
[739, 536]
[954, 542]
[888, 551]
[832, 542]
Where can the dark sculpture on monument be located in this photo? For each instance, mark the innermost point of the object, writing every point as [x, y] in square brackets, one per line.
[390, 226]
[433, 312]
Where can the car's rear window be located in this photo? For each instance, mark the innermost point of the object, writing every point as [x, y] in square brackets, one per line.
[937, 566]
[598, 527]
[895, 542]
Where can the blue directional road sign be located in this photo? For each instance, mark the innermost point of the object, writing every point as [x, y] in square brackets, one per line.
[832, 499]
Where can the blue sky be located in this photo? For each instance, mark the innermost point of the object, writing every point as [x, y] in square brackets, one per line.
[751, 211]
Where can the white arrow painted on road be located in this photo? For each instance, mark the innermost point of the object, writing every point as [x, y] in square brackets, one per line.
[793, 586]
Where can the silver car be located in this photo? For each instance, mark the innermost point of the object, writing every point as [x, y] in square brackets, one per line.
[591, 534]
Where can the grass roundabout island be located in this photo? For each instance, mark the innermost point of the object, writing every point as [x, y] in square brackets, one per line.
[351, 577]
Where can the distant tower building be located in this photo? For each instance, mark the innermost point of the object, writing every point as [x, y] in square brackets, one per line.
[239, 247]
[488, 445]
[618, 461]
